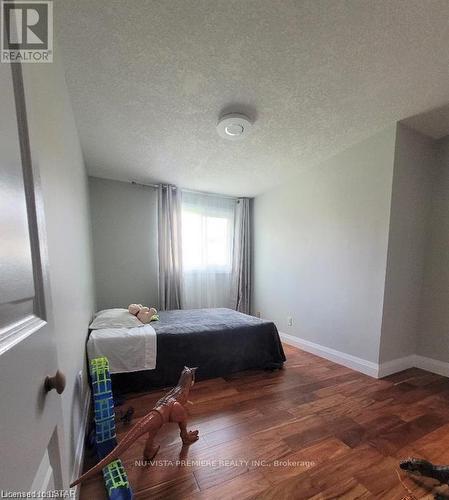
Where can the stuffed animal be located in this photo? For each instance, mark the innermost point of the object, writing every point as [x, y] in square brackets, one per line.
[144, 314]
[134, 308]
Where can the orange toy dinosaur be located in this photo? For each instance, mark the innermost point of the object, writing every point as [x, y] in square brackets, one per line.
[170, 408]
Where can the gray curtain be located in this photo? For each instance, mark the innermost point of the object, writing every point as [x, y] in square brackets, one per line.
[242, 257]
[169, 247]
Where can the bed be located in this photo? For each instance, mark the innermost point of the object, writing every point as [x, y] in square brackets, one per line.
[218, 341]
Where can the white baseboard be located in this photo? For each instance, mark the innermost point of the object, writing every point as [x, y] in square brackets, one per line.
[358, 364]
[368, 367]
[396, 365]
[432, 365]
[80, 444]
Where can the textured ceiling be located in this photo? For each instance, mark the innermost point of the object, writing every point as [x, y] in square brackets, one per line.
[148, 80]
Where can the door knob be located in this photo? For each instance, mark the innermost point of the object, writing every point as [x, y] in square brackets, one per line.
[56, 382]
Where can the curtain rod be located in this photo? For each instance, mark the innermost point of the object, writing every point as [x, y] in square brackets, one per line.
[204, 193]
[146, 185]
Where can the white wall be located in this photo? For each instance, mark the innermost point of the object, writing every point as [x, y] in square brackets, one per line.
[124, 223]
[414, 171]
[433, 339]
[321, 249]
[66, 205]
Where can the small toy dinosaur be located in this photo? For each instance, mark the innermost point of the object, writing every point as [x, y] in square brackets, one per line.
[170, 408]
[424, 468]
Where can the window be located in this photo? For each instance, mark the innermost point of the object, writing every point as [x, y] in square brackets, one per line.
[207, 233]
[207, 247]
[205, 241]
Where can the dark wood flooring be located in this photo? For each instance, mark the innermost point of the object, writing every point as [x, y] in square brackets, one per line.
[313, 430]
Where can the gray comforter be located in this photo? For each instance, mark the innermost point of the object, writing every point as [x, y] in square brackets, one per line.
[217, 341]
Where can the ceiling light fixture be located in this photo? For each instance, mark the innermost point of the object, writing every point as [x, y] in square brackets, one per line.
[233, 126]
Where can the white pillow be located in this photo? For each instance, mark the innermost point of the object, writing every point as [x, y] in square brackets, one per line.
[114, 318]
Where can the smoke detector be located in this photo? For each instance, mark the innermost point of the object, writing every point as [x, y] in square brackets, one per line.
[233, 126]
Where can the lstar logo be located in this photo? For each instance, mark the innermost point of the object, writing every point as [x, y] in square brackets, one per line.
[26, 31]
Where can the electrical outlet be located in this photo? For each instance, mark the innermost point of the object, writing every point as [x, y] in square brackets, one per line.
[258, 314]
[289, 321]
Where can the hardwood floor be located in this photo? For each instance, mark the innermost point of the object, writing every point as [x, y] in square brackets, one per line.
[313, 430]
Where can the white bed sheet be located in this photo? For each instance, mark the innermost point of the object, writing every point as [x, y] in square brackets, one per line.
[127, 349]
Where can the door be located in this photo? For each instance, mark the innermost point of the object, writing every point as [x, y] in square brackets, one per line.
[31, 434]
